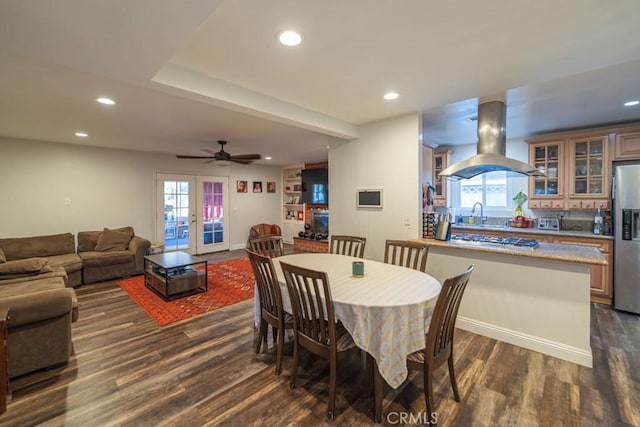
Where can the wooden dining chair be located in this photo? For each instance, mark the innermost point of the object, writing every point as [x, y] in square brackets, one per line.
[348, 245]
[406, 253]
[439, 339]
[314, 323]
[271, 310]
[270, 246]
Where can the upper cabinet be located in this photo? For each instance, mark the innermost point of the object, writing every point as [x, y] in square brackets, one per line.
[577, 169]
[589, 167]
[440, 162]
[627, 146]
[547, 157]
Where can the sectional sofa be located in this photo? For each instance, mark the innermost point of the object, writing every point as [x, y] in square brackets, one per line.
[37, 277]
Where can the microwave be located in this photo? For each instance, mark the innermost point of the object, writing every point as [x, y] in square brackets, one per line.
[369, 198]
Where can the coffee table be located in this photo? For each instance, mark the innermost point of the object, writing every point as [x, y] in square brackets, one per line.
[174, 275]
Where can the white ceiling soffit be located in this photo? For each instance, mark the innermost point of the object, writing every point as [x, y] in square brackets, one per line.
[228, 95]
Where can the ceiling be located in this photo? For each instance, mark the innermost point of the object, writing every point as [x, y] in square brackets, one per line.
[185, 74]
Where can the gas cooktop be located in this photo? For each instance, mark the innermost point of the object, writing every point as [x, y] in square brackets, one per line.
[512, 241]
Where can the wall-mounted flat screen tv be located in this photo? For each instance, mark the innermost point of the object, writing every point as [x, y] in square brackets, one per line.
[315, 186]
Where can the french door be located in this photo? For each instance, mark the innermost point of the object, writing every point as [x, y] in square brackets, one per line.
[191, 212]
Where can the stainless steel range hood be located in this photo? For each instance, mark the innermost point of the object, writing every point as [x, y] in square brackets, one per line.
[492, 117]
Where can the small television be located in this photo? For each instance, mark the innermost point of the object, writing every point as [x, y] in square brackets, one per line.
[369, 198]
[315, 186]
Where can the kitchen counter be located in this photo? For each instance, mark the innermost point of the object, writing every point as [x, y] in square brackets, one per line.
[552, 251]
[465, 228]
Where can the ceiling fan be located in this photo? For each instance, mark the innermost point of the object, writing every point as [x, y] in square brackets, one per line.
[223, 157]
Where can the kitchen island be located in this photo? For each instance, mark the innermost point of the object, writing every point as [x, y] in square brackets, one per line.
[537, 298]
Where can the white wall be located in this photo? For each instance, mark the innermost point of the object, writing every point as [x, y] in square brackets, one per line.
[111, 188]
[387, 155]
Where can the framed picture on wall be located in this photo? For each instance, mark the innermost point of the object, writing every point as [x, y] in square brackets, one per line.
[271, 187]
[241, 186]
[257, 186]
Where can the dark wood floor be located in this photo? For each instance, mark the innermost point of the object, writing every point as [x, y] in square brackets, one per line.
[126, 370]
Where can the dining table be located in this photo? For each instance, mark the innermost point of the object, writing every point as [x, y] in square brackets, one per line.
[387, 311]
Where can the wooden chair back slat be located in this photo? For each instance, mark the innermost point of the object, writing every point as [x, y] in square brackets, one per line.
[405, 253]
[348, 245]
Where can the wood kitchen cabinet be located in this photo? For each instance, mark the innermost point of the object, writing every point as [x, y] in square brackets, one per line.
[440, 162]
[627, 144]
[601, 275]
[578, 172]
[547, 157]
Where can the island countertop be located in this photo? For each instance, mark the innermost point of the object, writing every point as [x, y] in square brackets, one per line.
[466, 228]
[552, 251]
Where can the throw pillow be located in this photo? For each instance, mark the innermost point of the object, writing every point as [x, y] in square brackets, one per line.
[3, 257]
[24, 266]
[113, 240]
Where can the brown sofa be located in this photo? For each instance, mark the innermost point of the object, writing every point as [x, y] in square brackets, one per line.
[111, 254]
[59, 249]
[41, 306]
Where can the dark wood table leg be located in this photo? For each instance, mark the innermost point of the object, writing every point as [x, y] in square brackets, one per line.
[372, 368]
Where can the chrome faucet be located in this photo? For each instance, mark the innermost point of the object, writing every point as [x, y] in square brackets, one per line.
[473, 210]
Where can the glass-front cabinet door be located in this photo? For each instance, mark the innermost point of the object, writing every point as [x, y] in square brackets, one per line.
[440, 162]
[547, 157]
[589, 167]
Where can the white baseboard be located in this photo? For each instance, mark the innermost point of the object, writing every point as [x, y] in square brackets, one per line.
[551, 348]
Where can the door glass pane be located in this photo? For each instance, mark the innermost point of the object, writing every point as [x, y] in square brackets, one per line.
[212, 215]
[176, 214]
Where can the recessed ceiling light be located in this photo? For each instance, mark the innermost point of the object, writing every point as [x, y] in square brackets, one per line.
[106, 101]
[631, 103]
[82, 134]
[289, 38]
[391, 95]
[267, 158]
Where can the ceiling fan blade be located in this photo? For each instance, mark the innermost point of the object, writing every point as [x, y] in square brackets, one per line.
[242, 161]
[246, 157]
[192, 157]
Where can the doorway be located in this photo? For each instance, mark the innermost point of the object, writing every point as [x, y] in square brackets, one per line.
[190, 213]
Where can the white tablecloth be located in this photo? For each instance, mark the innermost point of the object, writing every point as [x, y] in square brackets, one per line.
[387, 311]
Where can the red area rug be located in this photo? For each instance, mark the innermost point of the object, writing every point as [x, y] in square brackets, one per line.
[229, 282]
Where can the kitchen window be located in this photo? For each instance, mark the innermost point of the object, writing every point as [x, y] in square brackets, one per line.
[495, 190]
[492, 189]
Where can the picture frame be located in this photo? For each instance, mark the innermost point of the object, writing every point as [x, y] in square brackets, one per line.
[271, 186]
[300, 216]
[257, 186]
[241, 186]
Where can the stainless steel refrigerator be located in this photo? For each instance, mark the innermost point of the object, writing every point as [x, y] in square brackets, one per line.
[626, 202]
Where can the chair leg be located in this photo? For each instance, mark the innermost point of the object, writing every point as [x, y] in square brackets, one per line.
[452, 377]
[332, 386]
[294, 369]
[428, 393]
[279, 350]
[262, 332]
[274, 333]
